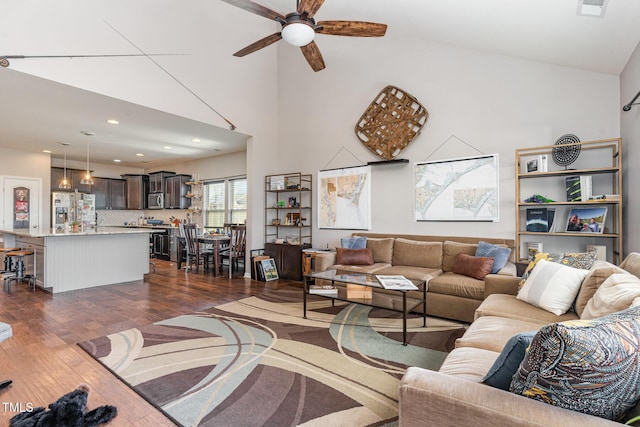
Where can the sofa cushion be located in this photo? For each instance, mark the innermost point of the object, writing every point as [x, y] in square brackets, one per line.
[469, 363]
[552, 286]
[615, 294]
[512, 308]
[582, 260]
[473, 266]
[382, 249]
[589, 366]
[500, 254]
[457, 285]
[508, 362]
[353, 242]
[632, 264]
[599, 272]
[493, 332]
[416, 253]
[450, 251]
[346, 256]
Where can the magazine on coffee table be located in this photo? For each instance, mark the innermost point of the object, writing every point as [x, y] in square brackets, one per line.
[399, 283]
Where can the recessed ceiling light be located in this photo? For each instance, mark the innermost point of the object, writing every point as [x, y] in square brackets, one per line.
[594, 8]
[46, 151]
[117, 160]
[139, 154]
[113, 122]
[195, 140]
[166, 147]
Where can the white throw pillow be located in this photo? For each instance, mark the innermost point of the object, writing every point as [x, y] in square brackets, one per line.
[552, 286]
[616, 293]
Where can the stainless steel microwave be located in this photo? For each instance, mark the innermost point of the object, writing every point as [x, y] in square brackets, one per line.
[155, 201]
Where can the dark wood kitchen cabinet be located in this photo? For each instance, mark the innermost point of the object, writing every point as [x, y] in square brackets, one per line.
[137, 190]
[288, 259]
[74, 176]
[110, 193]
[175, 192]
[157, 179]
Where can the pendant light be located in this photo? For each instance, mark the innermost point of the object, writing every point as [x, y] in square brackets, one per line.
[65, 184]
[87, 179]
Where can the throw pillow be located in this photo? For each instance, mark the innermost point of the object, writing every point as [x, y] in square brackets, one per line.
[552, 286]
[500, 254]
[508, 362]
[589, 366]
[583, 260]
[615, 294]
[353, 242]
[473, 266]
[599, 272]
[345, 256]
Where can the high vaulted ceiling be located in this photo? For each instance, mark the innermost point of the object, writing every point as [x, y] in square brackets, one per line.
[37, 113]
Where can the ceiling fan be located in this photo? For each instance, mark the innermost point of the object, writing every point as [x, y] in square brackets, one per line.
[299, 29]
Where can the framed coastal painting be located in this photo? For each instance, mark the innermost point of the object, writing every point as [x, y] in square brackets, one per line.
[344, 198]
[464, 189]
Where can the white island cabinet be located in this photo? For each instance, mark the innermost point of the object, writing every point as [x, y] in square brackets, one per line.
[68, 261]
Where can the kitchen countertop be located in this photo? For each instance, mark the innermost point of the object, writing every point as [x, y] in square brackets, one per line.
[102, 230]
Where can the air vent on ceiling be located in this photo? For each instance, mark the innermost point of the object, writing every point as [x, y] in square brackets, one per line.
[592, 7]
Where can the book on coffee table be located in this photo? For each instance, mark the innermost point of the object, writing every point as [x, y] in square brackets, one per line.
[327, 290]
[399, 283]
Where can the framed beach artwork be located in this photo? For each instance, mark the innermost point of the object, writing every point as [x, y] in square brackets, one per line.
[464, 189]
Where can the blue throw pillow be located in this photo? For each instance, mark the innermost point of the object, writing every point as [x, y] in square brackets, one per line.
[500, 254]
[353, 242]
[507, 364]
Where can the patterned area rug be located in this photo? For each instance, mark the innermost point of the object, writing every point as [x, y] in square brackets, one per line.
[257, 362]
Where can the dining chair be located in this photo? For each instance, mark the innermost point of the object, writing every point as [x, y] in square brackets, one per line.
[194, 253]
[236, 250]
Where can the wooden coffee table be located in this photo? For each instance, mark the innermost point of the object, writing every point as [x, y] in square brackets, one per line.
[370, 281]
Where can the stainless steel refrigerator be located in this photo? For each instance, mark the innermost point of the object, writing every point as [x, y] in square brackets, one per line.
[69, 207]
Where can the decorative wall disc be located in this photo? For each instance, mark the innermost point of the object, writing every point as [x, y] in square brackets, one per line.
[391, 122]
[564, 154]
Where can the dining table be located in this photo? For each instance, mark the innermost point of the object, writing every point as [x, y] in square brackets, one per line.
[215, 240]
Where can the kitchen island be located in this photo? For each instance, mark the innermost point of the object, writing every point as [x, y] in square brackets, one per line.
[67, 261]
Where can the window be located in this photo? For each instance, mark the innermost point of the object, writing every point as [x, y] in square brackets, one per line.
[225, 201]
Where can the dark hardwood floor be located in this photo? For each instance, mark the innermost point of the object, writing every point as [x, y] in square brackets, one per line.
[42, 357]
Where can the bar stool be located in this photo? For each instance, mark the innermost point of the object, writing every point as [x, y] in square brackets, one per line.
[20, 273]
[7, 260]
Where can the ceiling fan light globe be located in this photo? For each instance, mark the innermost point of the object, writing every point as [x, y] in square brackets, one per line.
[298, 34]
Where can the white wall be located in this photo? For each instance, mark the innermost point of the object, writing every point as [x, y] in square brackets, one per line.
[17, 163]
[478, 103]
[630, 124]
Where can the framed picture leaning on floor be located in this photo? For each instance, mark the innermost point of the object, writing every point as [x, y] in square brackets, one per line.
[269, 269]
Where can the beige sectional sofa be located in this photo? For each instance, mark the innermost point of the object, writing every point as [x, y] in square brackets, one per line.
[456, 394]
[431, 258]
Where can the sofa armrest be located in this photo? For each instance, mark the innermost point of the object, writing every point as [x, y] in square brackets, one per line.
[429, 397]
[324, 260]
[499, 284]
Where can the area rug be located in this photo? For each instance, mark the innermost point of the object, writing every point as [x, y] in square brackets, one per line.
[257, 362]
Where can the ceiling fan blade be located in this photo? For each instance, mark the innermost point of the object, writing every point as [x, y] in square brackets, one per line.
[256, 8]
[313, 55]
[351, 28]
[259, 45]
[4, 59]
[310, 7]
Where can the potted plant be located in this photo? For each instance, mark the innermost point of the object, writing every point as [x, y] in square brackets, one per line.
[74, 226]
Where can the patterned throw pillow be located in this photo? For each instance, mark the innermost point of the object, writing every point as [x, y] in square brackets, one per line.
[583, 260]
[589, 366]
[500, 254]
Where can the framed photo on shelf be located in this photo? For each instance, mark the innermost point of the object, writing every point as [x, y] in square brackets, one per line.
[586, 220]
